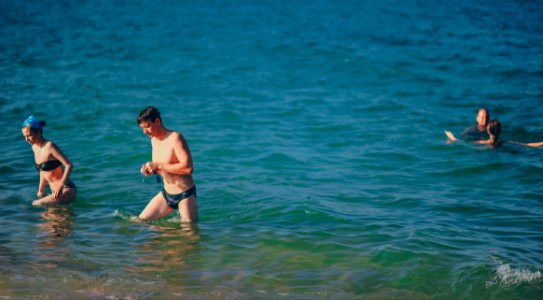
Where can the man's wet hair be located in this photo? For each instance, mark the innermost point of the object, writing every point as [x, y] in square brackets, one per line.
[149, 114]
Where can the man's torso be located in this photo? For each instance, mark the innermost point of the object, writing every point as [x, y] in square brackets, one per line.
[163, 152]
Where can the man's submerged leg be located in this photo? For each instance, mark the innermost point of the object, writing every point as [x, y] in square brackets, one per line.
[156, 208]
[188, 209]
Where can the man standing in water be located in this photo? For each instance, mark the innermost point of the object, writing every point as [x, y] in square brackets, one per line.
[171, 159]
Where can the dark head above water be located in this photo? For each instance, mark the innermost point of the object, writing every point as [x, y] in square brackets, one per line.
[149, 114]
[494, 129]
[150, 121]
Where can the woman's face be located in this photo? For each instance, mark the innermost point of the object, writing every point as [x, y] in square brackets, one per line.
[30, 137]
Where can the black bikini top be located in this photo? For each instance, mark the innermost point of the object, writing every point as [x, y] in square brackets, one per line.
[48, 165]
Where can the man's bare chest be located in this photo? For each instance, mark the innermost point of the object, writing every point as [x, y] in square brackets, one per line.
[163, 152]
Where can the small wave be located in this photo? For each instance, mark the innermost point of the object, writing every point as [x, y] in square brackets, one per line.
[310, 213]
[507, 276]
[7, 170]
[174, 221]
[124, 216]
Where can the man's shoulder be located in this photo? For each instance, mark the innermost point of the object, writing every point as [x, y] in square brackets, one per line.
[471, 129]
[175, 137]
[473, 133]
[175, 134]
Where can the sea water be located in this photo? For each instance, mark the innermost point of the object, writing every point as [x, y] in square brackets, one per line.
[316, 130]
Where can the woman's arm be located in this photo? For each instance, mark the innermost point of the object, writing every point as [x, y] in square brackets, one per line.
[41, 186]
[56, 153]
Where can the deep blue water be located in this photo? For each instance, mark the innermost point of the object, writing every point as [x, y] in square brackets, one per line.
[316, 129]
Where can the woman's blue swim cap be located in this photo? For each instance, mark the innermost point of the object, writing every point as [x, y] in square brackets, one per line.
[32, 122]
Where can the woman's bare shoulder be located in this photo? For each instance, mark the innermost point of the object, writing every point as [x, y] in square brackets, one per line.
[49, 145]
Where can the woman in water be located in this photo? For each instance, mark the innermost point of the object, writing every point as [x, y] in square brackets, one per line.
[53, 166]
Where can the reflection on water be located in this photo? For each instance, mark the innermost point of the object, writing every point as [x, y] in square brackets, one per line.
[56, 224]
[168, 249]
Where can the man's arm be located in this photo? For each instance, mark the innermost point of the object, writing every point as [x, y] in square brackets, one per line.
[184, 158]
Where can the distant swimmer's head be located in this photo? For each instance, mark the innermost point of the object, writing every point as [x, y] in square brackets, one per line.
[483, 116]
[32, 129]
[149, 120]
[494, 129]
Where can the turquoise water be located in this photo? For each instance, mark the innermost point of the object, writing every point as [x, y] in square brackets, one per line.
[316, 129]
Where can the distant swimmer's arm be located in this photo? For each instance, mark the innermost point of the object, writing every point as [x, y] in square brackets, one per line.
[517, 143]
[450, 136]
[533, 145]
[538, 144]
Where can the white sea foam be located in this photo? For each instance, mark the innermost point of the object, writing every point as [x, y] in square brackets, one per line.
[507, 276]
[125, 216]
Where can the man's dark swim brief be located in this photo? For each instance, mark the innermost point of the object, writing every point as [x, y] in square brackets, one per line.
[173, 200]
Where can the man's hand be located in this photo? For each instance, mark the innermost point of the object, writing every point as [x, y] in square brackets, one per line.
[149, 168]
